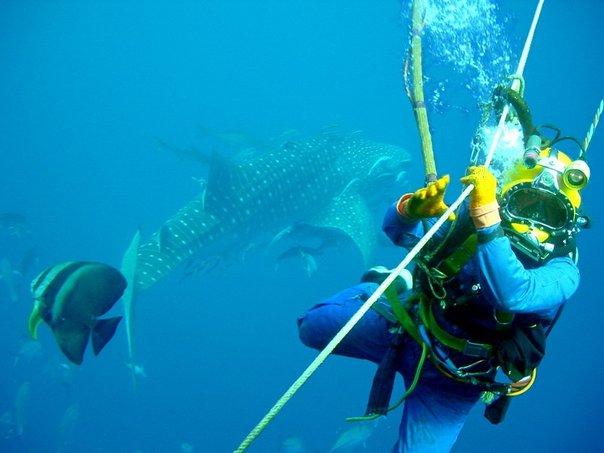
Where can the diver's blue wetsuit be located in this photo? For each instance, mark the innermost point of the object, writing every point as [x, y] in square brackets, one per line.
[434, 413]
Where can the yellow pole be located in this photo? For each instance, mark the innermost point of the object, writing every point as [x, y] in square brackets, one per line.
[417, 94]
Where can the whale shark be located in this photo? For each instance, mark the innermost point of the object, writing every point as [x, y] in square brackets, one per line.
[328, 184]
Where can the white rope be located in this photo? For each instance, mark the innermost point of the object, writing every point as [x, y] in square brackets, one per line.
[291, 391]
[592, 128]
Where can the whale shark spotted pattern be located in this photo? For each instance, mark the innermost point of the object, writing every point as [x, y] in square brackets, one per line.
[322, 181]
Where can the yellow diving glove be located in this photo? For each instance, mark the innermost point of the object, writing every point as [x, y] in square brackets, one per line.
[484, 208]
[426, 202]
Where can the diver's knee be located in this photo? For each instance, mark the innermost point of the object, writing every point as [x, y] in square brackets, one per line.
[317, 326]
[320, 324]
[308, 331]
[305, 333]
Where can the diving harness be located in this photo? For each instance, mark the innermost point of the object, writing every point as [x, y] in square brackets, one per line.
[473, 361]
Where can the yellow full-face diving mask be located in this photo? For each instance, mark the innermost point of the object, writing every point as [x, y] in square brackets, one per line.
[539, 203]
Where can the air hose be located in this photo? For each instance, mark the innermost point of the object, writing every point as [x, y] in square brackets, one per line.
[504, 95]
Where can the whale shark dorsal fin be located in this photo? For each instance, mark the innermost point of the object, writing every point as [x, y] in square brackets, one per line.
[224, 178]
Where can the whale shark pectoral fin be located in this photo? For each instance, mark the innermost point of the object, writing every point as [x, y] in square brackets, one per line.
[349, 213]
[102, 332]
[72, 338]
[129, 269]
[34, 320]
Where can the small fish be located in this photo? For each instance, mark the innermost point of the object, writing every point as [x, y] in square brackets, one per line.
[306, 254]
[70, 297]
[28, 351]
[186, 447]
[68, 425]
[137, 370]
[29, 260]
[62, 374]
[15, 223]
[7, 275]
[293, 444]
[354, 437]
[305, 243]
[7, 425]
[22, 400]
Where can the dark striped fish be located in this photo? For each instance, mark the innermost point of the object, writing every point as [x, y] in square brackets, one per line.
[70, 297]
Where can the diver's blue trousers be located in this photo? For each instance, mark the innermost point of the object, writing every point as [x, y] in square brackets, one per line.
[435, 412]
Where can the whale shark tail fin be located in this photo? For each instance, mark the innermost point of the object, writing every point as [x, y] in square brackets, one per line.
[129, 270]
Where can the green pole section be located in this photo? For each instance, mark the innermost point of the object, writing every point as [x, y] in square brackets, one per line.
[417, 94]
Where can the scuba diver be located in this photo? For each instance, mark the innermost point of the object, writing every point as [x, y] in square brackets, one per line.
[487, 290]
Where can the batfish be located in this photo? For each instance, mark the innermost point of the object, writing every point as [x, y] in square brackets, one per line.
[70, 297]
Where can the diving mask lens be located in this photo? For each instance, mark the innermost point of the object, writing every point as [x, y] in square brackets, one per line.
[538, 207]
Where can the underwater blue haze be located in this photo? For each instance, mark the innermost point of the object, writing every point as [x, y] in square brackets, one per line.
[111, 113]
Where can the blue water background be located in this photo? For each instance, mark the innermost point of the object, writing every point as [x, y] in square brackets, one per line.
[87, 87]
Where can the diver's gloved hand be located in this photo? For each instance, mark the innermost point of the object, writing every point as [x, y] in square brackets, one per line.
[484, 208]
[426, 202]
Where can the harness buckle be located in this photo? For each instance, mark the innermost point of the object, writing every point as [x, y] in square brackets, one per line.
[476, 350]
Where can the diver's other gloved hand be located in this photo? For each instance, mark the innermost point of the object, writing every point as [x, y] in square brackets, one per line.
[426, 202]
[484, 208]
